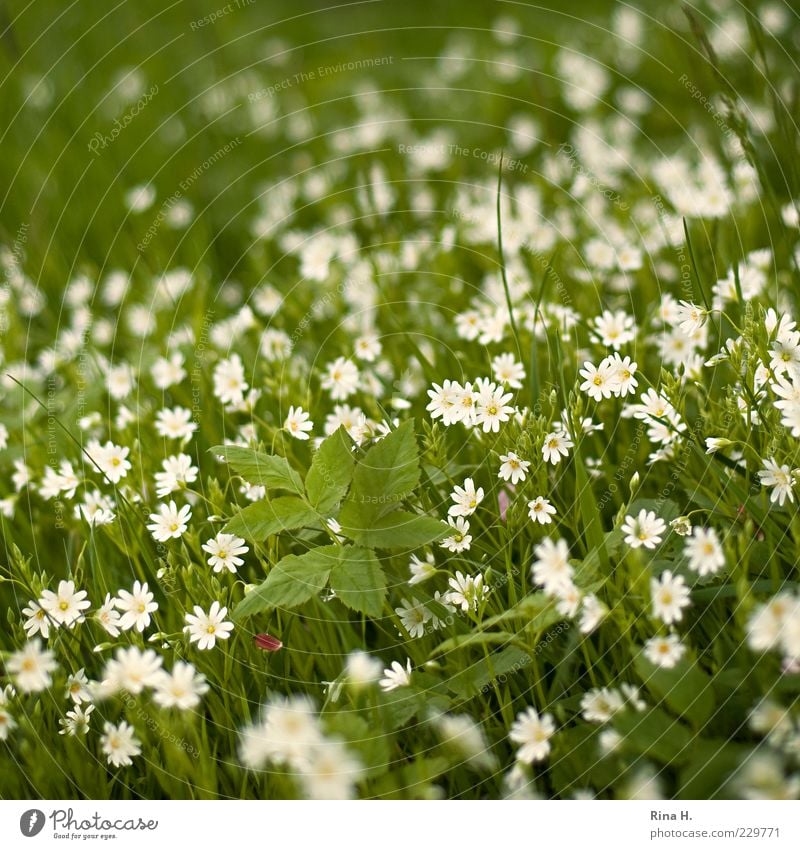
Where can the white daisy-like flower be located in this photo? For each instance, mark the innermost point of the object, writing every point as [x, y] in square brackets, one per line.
[31, 667]
[506, 369]
[413, 616]
[135, 606]
[556, 446]
[169, 522]
[298, 423]
[704, 552]
[780, 478]
[646, 529]
[224, 551]
[466, 591]
[513, 468]
[182, 688]
[669, 595]
[119, 744]
[465, 499]
[132, 670]
[461, 539]
[664, 651]
[541, 510]
[206, 628]
[396, 676]
[532, 734]
[341, 379]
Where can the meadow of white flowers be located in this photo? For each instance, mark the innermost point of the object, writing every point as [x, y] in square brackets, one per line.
[395, 413]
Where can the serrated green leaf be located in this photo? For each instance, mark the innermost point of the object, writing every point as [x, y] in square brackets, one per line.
[255, 467]
[386, 474]
[263, 518]
[358, 580]
[331, 472]
[685, 688]
[293, 580]
[399, 529]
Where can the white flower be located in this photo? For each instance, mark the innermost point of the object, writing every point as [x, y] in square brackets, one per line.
[168, 372]
[77, 687]
[341, 379]
[76, 722]
[136, 607]
[413, 615]
[396, 676]
[461, 539]
[622, 369]
[108, 616]
[555, 446]
[592, 613]
[119, 744]
[769, 622]
[690, 317]
[178, 471]
[507, 370]
[169, 522]
[181, 688]
[780, 478]
[598, 381]
[421, 570]
[669, 595]
[513, 468]
[551, 566]
[532, 733]
[111, 459]
[465, 499]
[443, 402]
[645, 529]
[229, 382]
[298, 423]
[37, 621]
[362, 669]
[461, 733]
[368, 348]
[330, 772]
[31, 667]
[287, 734]
[225, 550]
[466, 591]
[541, 510]
[714, 444]
[664, 651]
[600, 705]
[614, 329]
[492, 407]
[205, 628]
[132, 670]
[704, 552]
[175, 424]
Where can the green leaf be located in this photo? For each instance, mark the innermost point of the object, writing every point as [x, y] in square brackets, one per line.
[267, 470]
[399, 529]
[263, 518]
[358, 580]
[386, 474]
[685, 688]
[331, 472]
[655, 734]
[293, 580]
